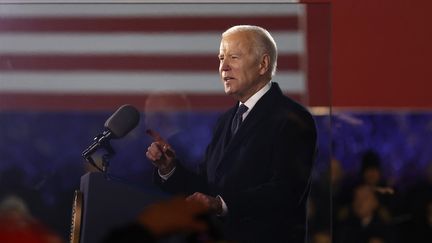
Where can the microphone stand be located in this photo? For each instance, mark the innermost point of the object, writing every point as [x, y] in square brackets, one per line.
[100, 141]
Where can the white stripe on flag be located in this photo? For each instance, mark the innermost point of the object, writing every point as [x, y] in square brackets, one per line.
[146, 9]
[131, 43]
[25, 43]
[128, 82]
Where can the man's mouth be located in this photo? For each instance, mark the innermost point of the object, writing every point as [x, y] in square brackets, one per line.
[227, 78]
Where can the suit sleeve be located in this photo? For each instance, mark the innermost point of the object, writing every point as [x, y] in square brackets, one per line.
[184, 181]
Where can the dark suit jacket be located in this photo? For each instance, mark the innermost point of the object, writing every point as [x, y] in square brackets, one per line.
[262, 172]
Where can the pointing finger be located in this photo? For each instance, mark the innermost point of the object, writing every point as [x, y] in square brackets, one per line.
[162, 144]
[156, 137]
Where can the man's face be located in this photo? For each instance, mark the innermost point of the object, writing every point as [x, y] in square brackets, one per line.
[241, 71]
[372, 176]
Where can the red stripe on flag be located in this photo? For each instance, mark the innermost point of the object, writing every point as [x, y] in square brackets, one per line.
[186, 63]
[92, 102]
[142, 24]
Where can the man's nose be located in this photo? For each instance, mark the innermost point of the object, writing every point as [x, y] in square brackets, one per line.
[224, 65]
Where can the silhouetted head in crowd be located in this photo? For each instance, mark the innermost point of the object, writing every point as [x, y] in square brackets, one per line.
[17, 225]
[321, 237]
[371, 168]
[376, 240]
[14, 206]
[336, 172]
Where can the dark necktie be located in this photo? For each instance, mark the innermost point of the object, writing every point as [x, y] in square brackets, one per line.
[237, 119]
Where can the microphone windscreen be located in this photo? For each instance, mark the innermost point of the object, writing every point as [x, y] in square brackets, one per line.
[123, 121]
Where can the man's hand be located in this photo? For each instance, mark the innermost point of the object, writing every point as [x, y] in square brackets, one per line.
[174, 216]
[160, 153]
[212, 203]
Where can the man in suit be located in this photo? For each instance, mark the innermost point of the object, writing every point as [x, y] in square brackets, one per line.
[256, 171]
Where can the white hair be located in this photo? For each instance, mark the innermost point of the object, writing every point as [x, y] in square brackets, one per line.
[262, 39]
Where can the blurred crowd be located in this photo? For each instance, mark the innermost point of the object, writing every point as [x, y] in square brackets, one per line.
[17, 225]
[366, 207]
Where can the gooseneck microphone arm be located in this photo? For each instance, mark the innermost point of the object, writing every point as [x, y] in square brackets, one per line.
[117, 126]
[100, 141]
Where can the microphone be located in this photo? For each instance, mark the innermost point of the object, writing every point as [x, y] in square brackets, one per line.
[122, 121]
[117, 125]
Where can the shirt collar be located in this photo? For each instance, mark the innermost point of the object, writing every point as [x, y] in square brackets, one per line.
[250, 103]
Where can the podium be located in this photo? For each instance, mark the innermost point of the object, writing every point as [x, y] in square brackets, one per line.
[103, 204]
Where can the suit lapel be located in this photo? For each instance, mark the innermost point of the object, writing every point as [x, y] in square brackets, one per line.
[255, 117]
[261, 110]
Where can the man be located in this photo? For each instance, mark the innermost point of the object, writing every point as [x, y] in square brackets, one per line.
[256, 170]
[366, 221]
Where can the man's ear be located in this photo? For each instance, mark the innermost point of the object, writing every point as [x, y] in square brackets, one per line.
[264, 64]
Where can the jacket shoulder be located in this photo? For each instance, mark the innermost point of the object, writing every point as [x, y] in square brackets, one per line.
[291, 110]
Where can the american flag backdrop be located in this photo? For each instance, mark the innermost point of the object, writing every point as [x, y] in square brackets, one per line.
[65, 68]
[98, 56]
